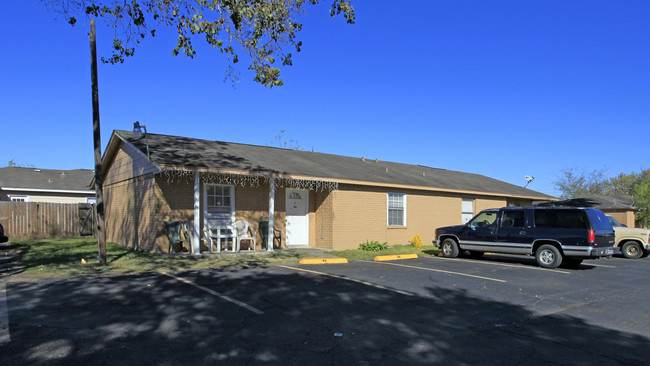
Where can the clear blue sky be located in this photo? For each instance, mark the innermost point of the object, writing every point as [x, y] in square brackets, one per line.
[499, 88]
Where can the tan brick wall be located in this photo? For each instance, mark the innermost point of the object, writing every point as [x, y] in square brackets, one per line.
[625, 217]
[360, 214]
[630, 219]
[321, 219]
[174, 202]
[127, 163]
[131, 213]
[483, 203]
[519, 202]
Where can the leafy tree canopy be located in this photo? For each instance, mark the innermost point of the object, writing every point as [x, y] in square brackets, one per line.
[263, 30]
[577, 184]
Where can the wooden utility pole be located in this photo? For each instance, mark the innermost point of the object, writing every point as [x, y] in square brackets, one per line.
[99, 177]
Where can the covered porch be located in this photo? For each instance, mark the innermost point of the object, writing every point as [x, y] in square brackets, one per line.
[270, 204]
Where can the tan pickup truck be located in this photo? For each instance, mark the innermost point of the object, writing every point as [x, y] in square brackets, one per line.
[633, 242]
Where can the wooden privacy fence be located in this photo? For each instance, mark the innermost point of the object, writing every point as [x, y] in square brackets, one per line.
[33, 220]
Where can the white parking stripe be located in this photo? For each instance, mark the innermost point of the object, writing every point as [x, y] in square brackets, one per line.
[599, 265]
[499, 264]
[5, 336]
[438, 270]
[349, 279]
[215, 293]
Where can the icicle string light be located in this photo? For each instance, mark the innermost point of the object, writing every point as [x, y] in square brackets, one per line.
[248, 180]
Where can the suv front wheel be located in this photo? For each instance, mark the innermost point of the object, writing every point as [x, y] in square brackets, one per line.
[548, 256]
[449, 248]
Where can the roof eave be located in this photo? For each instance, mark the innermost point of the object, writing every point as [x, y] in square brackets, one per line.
[163, 167]
[18, 189]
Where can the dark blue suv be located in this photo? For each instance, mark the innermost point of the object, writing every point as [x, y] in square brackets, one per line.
[554, 235]
[3, 237]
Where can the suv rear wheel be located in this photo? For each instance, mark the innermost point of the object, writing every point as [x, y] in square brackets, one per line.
[631, 249]
[449, 248]
[548, 256]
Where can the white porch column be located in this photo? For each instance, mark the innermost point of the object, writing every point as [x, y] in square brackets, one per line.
[269, 234]
[196, 237]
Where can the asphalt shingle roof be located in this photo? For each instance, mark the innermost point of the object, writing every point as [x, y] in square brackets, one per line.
[189, 153]
[48, 179]
[616, 202]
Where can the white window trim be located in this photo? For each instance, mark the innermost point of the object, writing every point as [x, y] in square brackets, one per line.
[23, 197]
[388, 209]
[232, 200]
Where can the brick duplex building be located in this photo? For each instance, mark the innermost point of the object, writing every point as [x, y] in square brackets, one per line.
[314, 199]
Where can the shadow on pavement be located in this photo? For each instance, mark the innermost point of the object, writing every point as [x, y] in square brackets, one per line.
[10, 260]
[155, 319]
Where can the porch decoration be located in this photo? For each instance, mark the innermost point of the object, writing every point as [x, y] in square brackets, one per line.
[309, 184]
[250, 180]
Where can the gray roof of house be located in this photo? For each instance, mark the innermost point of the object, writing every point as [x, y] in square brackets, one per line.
[189, 153]
[46, 179]
[613, 202]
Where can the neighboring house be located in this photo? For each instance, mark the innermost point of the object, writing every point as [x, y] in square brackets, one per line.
[46, 185]
[618, 206]
[316, 199]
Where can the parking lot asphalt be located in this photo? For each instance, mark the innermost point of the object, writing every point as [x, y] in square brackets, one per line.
[498, 310]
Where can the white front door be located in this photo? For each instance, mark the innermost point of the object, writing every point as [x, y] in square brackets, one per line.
[297, 216]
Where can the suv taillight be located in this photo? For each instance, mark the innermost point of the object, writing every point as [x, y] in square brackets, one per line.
[592, 236]
[435, 235]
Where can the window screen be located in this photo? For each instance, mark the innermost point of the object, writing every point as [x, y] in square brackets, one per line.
[467, 210]
[396, 209]
[219, 200]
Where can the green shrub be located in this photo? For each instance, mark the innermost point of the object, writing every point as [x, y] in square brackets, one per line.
[373, 246]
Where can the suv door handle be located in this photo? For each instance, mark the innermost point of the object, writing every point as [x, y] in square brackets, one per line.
[522, 232]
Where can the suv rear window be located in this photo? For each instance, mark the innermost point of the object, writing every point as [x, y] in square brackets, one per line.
[563, 219]
[598, 220]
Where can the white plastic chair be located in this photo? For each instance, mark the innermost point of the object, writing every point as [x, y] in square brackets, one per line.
[245, 232]
[217, 229]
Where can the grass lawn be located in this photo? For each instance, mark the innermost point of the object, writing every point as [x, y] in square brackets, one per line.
[63, 257]
[58, 257]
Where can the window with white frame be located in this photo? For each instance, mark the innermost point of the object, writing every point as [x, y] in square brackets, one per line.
[396, 209]
[467, 210]
[220, 201]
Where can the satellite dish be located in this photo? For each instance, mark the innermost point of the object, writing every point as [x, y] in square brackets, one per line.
[528, 180]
